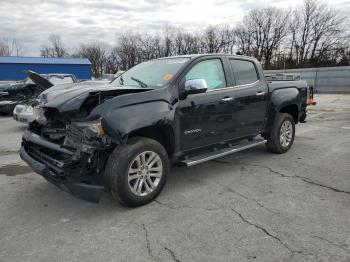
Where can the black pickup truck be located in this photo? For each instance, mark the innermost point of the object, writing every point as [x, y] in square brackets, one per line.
[123, 136]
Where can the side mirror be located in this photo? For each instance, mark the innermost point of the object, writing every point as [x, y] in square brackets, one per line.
[195, 86]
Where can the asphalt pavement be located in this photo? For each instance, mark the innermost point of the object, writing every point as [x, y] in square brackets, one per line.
[250, 206]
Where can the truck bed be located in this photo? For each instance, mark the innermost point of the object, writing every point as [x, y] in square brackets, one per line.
[285, 84]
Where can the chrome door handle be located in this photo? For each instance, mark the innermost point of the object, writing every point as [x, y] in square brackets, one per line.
[260, 93]
[227, 99]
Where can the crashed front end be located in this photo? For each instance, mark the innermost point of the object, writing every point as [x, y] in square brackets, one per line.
[68, 153]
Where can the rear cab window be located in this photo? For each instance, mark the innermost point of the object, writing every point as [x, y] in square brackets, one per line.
[244, 72]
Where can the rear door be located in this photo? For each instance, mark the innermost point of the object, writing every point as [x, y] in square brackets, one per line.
[250, 97]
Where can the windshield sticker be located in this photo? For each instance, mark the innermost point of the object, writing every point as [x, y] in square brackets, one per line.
[167, 77]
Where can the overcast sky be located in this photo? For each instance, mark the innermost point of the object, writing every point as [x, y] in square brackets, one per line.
[79, 21]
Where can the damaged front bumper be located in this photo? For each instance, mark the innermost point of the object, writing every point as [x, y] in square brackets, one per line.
[60, 166]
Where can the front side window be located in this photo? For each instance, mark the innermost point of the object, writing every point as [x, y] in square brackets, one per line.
[209, 70]
[154, 73]
[244, 71]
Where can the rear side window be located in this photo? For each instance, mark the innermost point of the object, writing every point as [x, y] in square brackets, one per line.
[244, 71]
[211, 70]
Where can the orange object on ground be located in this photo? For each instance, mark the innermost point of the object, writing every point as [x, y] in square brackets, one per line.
[310, 96]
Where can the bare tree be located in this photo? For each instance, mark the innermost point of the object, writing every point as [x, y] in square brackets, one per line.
[148, 47]
[112, 61]
[262, 33]
[55, 47]
[4, 47]
[10, 47]
[317, 31]
[212, 40]
[219, 38]
[128, 50]
[294, 24]
[97, 54]
[312, 35]
[227, 35]
[244, 38]
[17, 47]
[168, 45]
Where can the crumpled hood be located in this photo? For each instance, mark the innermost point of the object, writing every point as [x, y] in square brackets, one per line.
[69, 97]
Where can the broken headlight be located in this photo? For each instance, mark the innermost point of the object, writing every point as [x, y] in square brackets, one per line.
[38, 114]
[86, 135]
[89, 129]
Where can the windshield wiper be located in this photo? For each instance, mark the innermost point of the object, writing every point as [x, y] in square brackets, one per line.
[121, 80]
[142, 84]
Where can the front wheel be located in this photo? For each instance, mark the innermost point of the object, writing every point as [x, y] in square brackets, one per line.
[136, 172]
[281, 137]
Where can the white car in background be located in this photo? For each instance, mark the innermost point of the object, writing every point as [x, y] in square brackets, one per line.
[24, 113]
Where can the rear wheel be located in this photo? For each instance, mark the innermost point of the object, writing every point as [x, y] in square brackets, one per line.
[136, 172]
[281, 137]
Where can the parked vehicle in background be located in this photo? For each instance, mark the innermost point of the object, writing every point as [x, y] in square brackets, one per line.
[23, 92]
[106, 77]
[111, 77]
[184, 110]
[24, 112]
[2, 82]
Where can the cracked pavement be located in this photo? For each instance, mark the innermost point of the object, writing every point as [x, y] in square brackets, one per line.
[250, 206]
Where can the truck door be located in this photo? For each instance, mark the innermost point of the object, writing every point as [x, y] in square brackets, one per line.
[250, 98]
[206, 118]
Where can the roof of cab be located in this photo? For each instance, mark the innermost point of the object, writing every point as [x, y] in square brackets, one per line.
[192, 56]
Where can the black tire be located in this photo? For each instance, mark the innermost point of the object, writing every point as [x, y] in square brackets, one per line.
[273, 138]
[117, 170]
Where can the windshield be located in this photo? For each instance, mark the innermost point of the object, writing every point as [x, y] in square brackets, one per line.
[60, 80]
[154, 73]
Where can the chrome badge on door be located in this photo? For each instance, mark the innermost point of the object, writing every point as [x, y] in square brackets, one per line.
[192, 131]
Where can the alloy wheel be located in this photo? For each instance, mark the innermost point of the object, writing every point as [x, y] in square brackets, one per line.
[145, 173]
[286, 133]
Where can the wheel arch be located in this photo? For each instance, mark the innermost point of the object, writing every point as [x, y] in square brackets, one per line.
[283, 100]
[164, 134]
[293, 110]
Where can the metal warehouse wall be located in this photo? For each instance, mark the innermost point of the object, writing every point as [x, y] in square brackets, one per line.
[13, 71]
[325, 79]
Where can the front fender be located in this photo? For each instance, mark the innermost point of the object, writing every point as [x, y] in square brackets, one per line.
[125, 113]
[119, 122]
